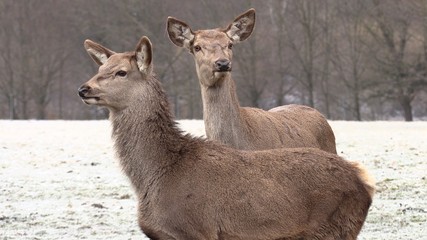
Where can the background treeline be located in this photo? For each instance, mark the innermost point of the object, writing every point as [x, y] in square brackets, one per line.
[352, 60]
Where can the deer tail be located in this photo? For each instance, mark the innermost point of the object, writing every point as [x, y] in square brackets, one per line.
[366, 177]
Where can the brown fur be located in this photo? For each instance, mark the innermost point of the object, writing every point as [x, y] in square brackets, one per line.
[190, 188]
[243, 127]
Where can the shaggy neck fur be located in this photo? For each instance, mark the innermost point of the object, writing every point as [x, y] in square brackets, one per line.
[147, 140]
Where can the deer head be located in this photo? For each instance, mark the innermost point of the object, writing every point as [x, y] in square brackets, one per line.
[114, 84]
[212, 49]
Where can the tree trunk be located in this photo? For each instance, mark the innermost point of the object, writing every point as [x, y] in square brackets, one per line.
[405, 102]
[357, 106]
[41, 115]
[310, 90]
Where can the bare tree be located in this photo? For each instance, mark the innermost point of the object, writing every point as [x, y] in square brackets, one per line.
[8, 76]
[14, 37]
[349, 58]
[282, 84]
[327, 20]
[392, 36]
[303, 33]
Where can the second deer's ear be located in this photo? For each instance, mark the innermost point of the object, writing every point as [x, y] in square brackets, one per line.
[241, 28]
[179, 32]
[144, 55]
[97, 52]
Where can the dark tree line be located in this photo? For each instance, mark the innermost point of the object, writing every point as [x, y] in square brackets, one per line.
[352, 60]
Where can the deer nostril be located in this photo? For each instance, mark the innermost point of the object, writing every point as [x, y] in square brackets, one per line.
[222, 65]
[83, 90]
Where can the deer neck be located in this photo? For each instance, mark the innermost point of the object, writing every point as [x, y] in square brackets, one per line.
[221, 112]
[147, 140]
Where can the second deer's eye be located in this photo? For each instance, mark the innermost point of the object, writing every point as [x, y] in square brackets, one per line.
[121, 73]
[197, 48]
[230, 46]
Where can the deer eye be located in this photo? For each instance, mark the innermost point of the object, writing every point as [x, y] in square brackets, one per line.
[121, 73]
[230, 46]
[197, 48]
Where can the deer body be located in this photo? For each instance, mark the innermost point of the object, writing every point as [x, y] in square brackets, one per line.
[256, 129]
[227, 122]
[190, 188]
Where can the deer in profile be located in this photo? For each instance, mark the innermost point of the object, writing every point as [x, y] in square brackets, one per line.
[227, 122]
[195, 189]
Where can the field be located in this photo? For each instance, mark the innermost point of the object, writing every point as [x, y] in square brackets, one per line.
[60, 179]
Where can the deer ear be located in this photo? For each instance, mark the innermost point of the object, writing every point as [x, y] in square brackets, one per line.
[179, 32]
[241, 28]
[144, 55]
[97, 52]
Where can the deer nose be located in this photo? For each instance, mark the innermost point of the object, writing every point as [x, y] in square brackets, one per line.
[83, 90]
[223, 65]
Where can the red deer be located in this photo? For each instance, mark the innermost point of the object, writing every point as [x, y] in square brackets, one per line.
[227, 122]
[192, 188]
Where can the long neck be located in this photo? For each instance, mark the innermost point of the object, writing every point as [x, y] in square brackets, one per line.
[146, 137]
[221, 112]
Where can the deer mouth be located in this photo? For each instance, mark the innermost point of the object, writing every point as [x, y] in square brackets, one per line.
[222, 70]
[221, 74]
[90, 100]
[218, 75]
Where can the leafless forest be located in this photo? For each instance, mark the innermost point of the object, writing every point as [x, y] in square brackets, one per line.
[352, 60]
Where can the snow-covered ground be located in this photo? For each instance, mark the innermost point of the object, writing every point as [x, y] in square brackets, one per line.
[60, 179]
